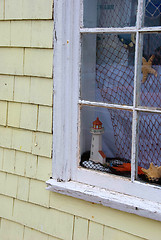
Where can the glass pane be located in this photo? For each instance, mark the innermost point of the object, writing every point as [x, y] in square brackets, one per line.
[150, 144]
[109, 13]
[150, 94]
[105, 143]
[107, 73]
[152, 13]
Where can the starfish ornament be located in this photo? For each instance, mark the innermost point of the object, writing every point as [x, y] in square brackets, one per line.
[153, 173]
[146, 68]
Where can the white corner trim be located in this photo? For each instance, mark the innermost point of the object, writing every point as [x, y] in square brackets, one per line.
[122, 202]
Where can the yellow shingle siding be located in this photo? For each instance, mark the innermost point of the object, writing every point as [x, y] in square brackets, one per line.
[26, 89]
[28, 211]
[26, 61]
[5, 39]
[37, 90]
[26, 33]
[28, 9]
[2, 9]
[6, 87]
[12, 61]
[3, 113]
[9, 228]
[38, 62]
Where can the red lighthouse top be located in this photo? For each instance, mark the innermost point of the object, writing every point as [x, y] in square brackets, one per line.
[97, 124]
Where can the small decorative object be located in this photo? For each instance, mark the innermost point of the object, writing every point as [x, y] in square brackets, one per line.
[153, 173]
[126, 168]
[128, 40]
[95, 166]
[96, 154]
[146, 68]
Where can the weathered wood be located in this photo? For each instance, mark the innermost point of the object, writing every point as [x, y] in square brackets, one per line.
[107, 198]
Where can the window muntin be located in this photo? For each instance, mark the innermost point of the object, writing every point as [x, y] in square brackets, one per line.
[93, 60]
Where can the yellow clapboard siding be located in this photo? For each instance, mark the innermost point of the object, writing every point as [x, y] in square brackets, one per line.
[10, 230]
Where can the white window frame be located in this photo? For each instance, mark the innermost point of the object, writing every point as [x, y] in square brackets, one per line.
[68, 178]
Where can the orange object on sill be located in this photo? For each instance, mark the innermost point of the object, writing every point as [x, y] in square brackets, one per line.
[126, 167]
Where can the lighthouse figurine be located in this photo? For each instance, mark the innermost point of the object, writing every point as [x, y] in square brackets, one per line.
[96, 154]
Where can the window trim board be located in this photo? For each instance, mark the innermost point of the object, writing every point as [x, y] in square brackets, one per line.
[108, 198]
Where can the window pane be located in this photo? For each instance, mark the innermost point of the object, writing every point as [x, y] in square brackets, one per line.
[105, 143]
[107, 73]
[152, 13]
[150, 94]
[149, 141]
[110, 13]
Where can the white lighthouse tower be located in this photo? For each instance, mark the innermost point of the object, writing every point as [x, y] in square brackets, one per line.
[97, 155]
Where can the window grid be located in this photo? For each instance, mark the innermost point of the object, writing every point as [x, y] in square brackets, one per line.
[136, 108]
[68, 178]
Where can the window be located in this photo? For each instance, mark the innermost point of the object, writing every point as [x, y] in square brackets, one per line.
[107, 92]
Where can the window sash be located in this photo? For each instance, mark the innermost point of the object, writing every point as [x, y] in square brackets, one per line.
[66, 119]
[138, 30]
